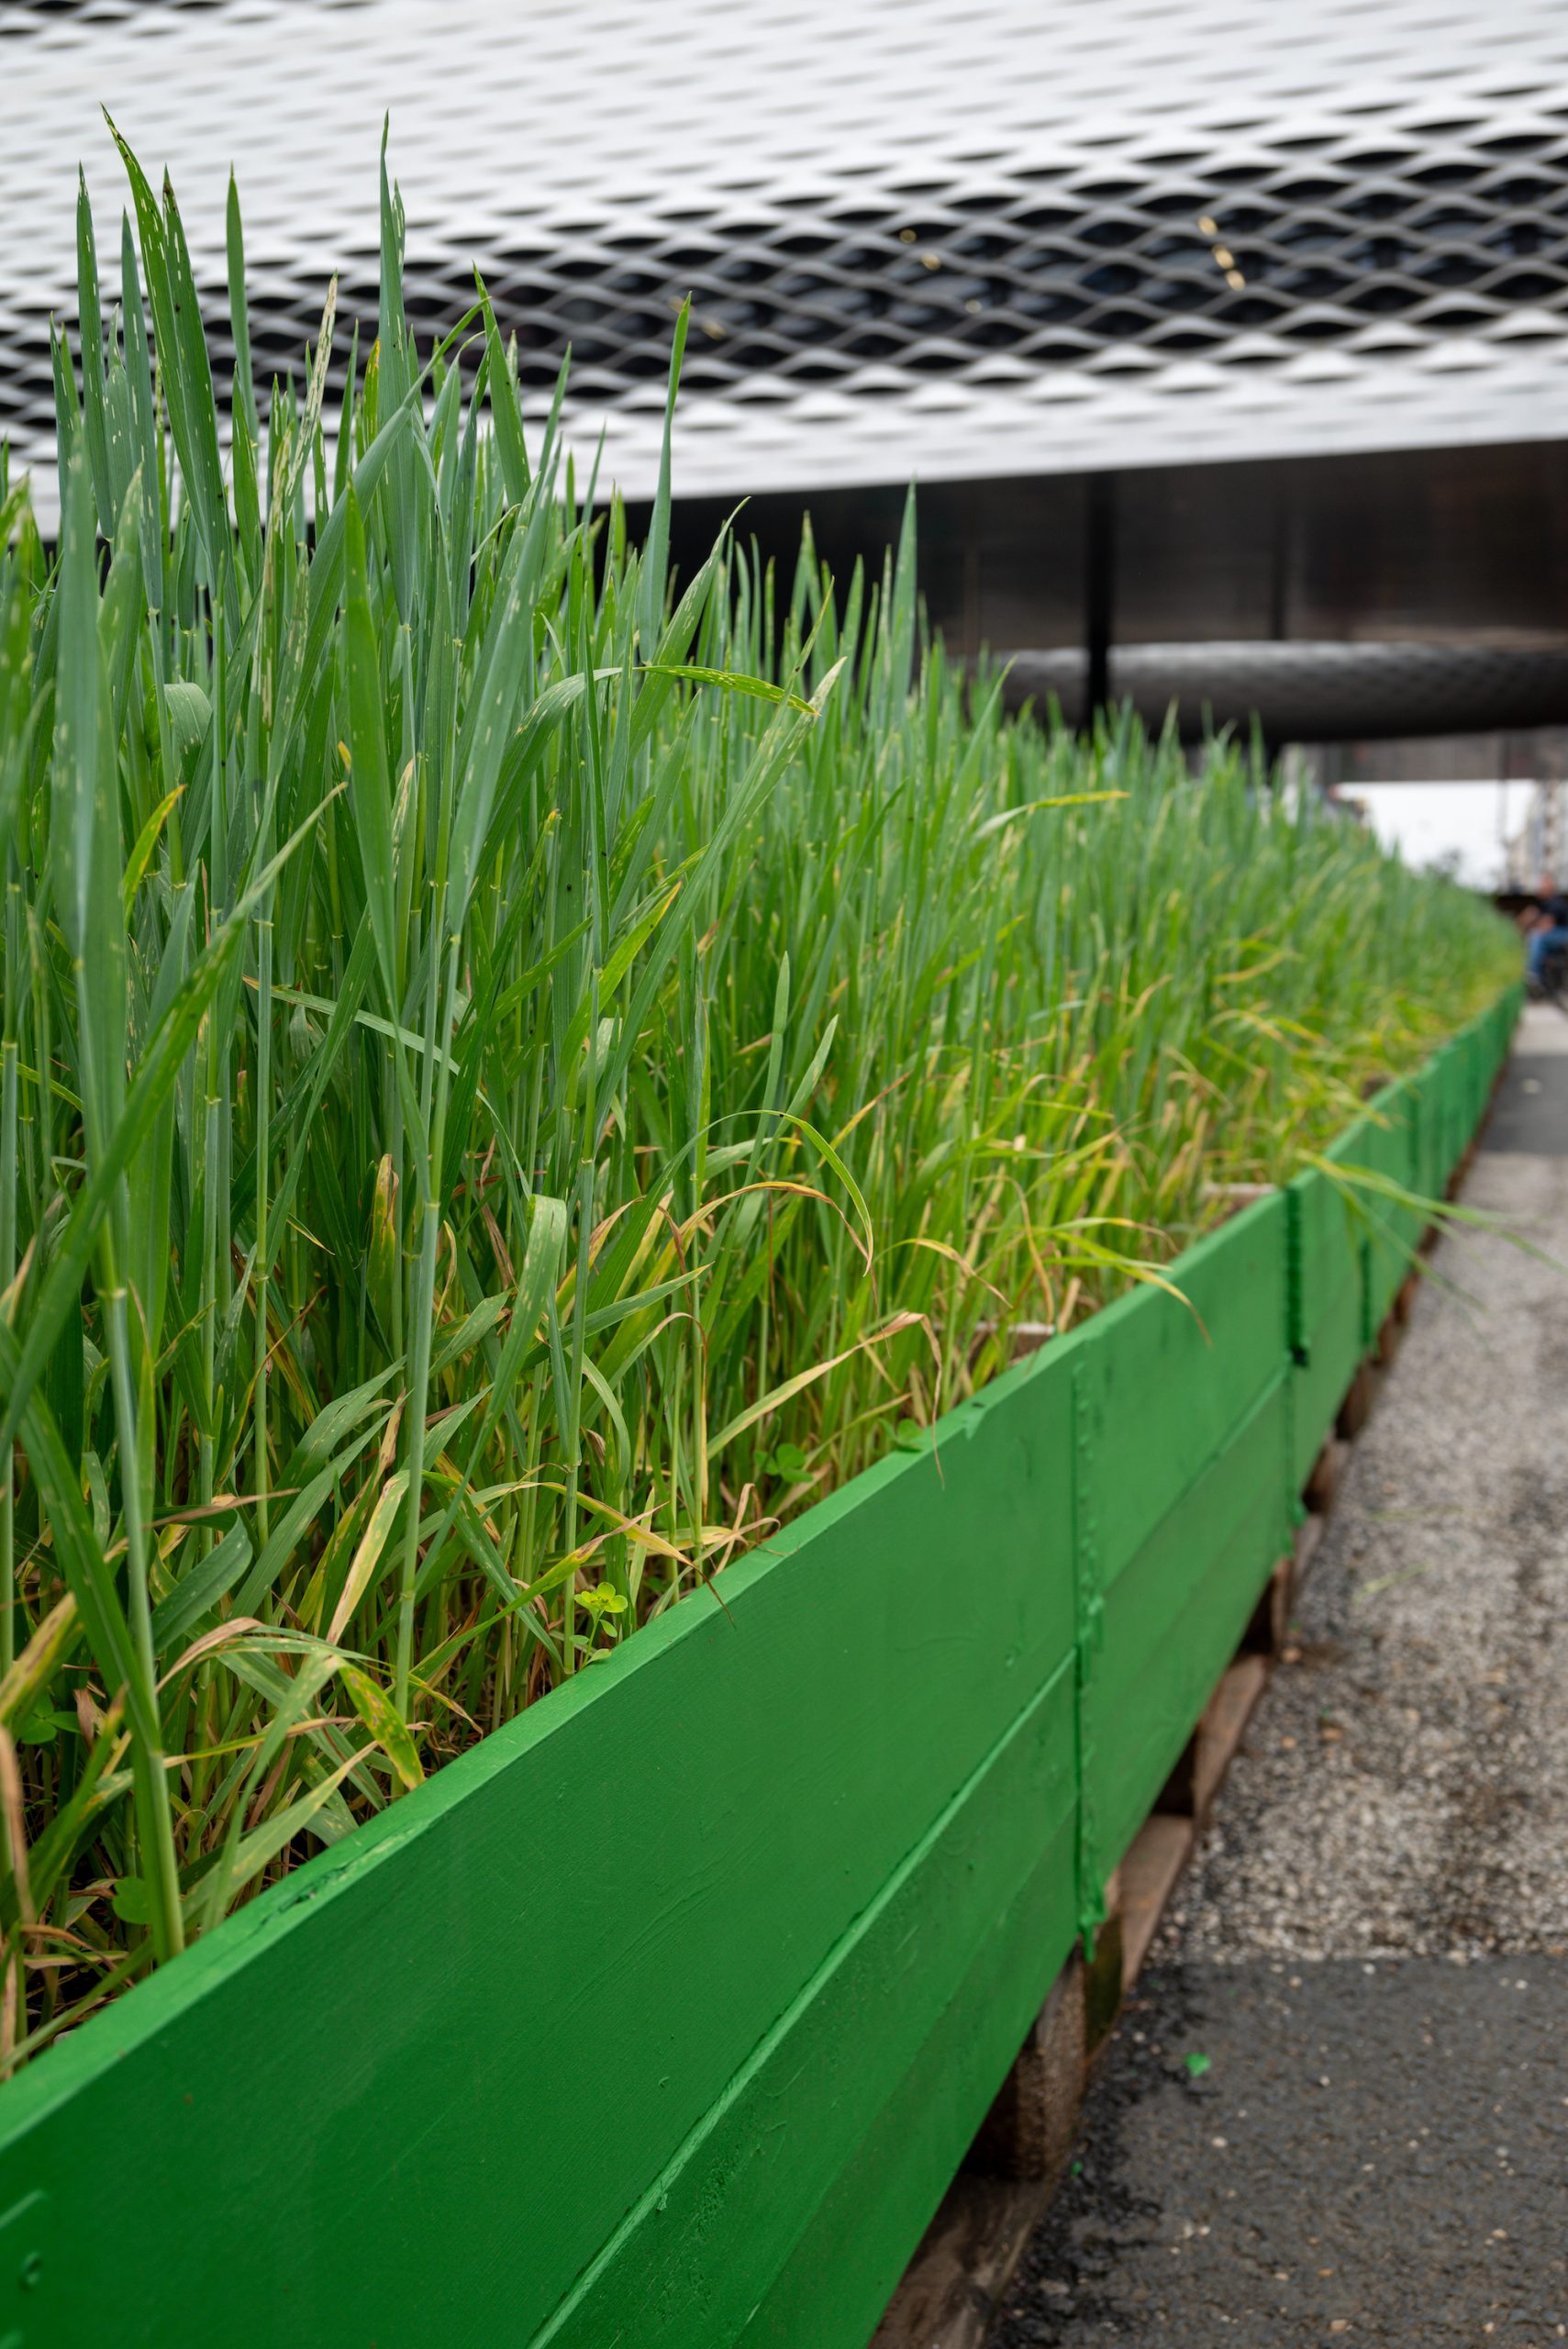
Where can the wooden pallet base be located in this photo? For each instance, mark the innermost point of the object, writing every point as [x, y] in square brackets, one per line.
[1027, 2133]
[1356, 1408]
[952, 2292]
[1150, 1874]
[1308, 1540]
[1269, 1629]
[1323, 1485]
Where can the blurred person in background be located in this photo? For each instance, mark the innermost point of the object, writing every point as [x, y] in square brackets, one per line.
[1545, 926]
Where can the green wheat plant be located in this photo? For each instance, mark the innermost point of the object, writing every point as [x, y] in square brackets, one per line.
[518, 1071]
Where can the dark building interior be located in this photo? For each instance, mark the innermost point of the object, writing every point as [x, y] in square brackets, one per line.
[1429, 545]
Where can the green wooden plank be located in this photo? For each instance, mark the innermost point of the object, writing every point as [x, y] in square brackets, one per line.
[1334, 1347]
[1431, 1173]
[1384, 1234]
[846, 2265]
[1434, 1088]
[1175, 1615]
[465, 2044]
[1392, 1231]
[740, 2197]
[1463, 1103]
[1436, 1123]
[1463, 1089]
[1476, 1078]
[1456, 1113]
[1329, 1255]
[1165, 1384]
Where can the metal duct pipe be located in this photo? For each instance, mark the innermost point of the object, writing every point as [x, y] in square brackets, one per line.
[1305, 692]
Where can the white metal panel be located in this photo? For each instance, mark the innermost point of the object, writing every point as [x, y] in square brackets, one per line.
[941, 241]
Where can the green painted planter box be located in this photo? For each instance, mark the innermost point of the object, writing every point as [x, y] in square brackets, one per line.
[665, 2016]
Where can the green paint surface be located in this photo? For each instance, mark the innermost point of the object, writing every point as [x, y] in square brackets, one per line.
[536, 2060]
[1327, 1337]
[1174, 1617]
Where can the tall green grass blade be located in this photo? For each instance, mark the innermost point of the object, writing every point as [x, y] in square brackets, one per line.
[681, 1036]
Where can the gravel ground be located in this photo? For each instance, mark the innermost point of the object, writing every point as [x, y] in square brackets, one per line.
[1403, 1786]
[1372, 1950]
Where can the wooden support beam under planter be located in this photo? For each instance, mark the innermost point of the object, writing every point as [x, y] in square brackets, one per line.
[1309, 1541]
[1027, 2132]
[1356, 1408]
[1189, 1791]
[953, 2290]
[1323, 1485]
[1267, 1631]
[1396, 1321]
[1150, 1874]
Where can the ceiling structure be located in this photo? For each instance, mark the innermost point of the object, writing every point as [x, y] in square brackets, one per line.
[1002, 239]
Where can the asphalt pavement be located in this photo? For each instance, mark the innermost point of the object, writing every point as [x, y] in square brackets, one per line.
[1336, 2109]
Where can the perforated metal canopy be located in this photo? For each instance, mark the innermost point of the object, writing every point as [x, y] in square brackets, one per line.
[1009, 237]
[1311, 691]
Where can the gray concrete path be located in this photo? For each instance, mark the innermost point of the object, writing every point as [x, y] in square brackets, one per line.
[1337, 2108]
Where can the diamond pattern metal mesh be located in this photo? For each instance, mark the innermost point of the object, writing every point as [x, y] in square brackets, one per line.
[1010, 236]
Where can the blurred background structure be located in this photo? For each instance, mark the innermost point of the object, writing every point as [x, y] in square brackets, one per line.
[1228, 347]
